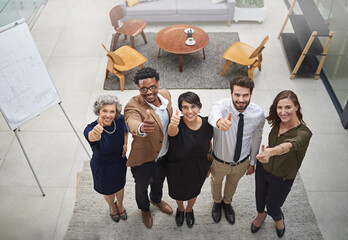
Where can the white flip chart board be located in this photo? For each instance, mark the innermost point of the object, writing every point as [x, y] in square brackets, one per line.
[26, 88]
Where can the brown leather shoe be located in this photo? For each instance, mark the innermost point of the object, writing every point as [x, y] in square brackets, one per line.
[164, 207]
[147, 218]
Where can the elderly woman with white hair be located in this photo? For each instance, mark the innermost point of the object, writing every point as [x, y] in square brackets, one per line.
[107, 137]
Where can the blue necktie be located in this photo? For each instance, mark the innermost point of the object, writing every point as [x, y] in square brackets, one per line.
[239, 138]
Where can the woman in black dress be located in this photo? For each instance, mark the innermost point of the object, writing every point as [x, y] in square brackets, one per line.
[107, 137]
[187, 163]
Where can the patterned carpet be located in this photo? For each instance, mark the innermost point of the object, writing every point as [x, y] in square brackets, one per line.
[91, 218]
[197, 73]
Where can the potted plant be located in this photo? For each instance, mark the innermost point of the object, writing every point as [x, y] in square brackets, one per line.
[249, 10]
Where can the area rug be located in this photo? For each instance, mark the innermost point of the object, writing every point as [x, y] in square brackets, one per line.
[91, 218]
[197, 73]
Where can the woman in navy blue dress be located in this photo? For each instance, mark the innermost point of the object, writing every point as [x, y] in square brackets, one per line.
[107, 137]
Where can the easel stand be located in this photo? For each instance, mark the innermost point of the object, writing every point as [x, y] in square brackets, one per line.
[60, 105]
[26, 156]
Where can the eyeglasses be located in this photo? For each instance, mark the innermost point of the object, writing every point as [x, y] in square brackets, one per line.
[193, 107]
[151, 88]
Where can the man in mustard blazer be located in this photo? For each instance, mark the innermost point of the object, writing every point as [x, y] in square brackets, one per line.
[147, 116]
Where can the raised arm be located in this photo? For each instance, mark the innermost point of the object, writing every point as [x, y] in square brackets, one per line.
[267, 153]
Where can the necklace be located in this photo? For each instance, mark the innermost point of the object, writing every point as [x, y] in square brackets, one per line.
[112, 130]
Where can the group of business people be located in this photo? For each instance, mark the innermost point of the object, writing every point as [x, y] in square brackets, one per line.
[165, 144]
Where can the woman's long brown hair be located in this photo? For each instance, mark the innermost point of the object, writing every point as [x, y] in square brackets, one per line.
[273, 117]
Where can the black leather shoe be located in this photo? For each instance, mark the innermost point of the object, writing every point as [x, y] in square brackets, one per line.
[255, 229]
[179, 218]
[229, 213]
[216, 212]
[281, 232]
[190, 219]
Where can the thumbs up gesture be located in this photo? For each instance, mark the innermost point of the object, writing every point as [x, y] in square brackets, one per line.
[148, 125]
[98, 130]
[264, 155]
[224, 124]
[175, 120]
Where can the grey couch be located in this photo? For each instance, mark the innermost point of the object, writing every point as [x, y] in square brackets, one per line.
[181, 11]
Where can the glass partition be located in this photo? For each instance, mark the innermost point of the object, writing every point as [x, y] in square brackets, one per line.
[12, 10]
[335, 13]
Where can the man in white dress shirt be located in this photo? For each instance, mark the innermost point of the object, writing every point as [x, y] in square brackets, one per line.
[238, 126]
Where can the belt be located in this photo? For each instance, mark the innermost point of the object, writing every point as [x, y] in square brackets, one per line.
[230, 163]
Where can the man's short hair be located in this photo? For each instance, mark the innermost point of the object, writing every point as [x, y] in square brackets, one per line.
[145, 73]
[242, 81]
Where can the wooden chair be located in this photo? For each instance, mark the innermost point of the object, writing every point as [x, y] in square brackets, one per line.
[123, 59]
[130, 27]
[246, 55]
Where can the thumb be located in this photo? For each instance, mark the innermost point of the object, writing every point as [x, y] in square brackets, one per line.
[148, 115]
[229, 116]
[100, 121]
[177, 112]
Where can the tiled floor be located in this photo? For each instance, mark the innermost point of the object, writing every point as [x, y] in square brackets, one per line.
[69, 34]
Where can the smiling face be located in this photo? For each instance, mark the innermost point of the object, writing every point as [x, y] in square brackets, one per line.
[240, 97]
[145, 86]
[107, 114]
[286, 110]
[190, 111]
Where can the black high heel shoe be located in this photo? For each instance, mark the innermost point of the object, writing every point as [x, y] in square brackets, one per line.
[124, 216]
[255, 229]
[281, 232]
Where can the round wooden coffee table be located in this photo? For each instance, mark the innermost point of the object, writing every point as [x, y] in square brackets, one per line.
[172, 39]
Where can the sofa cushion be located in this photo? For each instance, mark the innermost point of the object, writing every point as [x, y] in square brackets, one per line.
[201, 7]
[217, 1]
[161, 7]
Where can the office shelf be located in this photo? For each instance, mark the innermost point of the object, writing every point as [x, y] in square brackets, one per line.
[303, 46]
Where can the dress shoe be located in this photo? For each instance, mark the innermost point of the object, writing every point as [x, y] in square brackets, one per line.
[147, 218]
[190, 219]
[115, 217]
[254, 229]
[216, 212]
[229, 213]
[164, 207]
[122, 215]
[179, 218]
[281, 232]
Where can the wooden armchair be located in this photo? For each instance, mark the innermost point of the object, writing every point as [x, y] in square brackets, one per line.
[246, 55]
[130, 27]
[123, 59]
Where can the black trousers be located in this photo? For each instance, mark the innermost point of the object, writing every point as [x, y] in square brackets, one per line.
[271, 191]
[150, 173]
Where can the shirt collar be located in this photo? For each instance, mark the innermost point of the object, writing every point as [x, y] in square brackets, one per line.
[164, 102]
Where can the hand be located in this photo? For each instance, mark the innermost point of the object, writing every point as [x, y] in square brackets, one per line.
[250, 170]
[148, 124]
[208, 173]
[264, 155]
[175, 120]
[124, 151]
[98, 129]
[225, 123]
